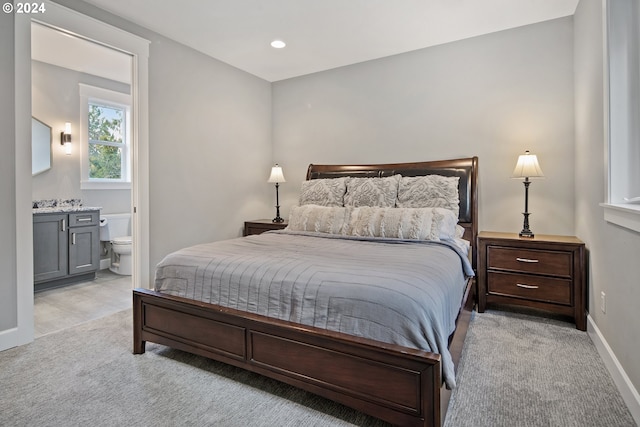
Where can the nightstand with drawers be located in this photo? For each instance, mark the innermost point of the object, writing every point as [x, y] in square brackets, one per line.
[259, 226]
[545, 272]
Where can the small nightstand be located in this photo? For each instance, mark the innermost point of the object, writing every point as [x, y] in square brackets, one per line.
[545, 272]
[259, 226]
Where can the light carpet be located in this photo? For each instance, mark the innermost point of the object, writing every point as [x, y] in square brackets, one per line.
[517, 370]
[523, 370]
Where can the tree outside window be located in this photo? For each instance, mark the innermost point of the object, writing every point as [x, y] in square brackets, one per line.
[107, 142]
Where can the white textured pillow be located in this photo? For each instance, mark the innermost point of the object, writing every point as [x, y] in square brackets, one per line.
[403, 223]
[445, 224]
[430, 191]
[321, 219]
[381, 192]
[406, 223]
[323, 192]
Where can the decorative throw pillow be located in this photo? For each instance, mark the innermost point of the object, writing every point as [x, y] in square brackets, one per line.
[445, 224]
[321, 219]
[406, 223]
[323, 192]
[381, 192]
[430, 191]
[403, 223]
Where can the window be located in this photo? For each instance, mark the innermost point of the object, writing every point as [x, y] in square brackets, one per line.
[105, 124]
[107, 142]
[623, 84]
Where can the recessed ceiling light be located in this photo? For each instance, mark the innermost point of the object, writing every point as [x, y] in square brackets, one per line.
[278, 44]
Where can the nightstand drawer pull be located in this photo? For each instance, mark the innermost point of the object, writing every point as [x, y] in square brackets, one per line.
[527, 260]
[520, 285]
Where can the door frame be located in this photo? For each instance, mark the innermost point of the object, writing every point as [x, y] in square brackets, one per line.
[75, 23]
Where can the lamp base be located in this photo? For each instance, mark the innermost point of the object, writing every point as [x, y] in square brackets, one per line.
[277, 219]
[526, 233]
[525, 226]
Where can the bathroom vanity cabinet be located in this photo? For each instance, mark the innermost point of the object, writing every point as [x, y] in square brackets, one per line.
[66, 247]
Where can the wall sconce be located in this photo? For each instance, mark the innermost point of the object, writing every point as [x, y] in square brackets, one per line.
[277, 177]
[527, 167]
[65, 138]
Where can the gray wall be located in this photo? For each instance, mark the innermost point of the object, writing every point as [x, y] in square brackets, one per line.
[209, 143]
[613, 251]
[8, 278]
[492, 96]
[56, 99]
[210, 148]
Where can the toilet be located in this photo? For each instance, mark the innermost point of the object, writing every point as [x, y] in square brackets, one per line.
[116, 229]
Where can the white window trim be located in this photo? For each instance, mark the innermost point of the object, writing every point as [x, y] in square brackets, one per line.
[118, 99]
[625, 215]
[619, 212]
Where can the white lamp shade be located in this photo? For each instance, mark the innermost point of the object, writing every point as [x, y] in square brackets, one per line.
[276, 175]
[527, 167]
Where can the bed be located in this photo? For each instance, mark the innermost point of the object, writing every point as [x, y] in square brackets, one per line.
[397, 381]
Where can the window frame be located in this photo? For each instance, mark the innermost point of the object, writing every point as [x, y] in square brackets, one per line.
[108, 98]
[622, 127]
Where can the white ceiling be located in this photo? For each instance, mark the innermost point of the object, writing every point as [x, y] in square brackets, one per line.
[325, 34]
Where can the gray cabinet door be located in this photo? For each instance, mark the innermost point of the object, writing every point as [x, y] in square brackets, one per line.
[50, 247]
[84, 249]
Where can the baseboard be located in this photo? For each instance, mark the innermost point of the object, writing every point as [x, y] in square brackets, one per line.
[8, 339]
[105, 263]
[627, 390]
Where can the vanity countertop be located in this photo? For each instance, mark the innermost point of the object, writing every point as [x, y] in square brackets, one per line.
[65, 209]
[60, 206]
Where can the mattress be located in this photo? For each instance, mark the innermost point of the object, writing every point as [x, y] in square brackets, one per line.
[390, 290]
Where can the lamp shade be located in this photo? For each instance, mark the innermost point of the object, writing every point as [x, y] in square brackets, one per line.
[276, 175]
[527, 167]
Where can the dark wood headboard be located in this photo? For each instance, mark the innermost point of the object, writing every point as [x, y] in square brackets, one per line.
[466, 169]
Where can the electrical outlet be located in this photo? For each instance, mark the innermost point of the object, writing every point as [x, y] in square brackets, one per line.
[603, 302]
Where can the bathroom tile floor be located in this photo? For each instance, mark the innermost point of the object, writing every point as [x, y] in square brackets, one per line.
[61, 308]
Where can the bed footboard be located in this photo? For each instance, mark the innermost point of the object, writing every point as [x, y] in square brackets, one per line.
[397, 384]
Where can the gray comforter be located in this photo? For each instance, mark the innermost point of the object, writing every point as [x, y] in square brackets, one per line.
[400, 292]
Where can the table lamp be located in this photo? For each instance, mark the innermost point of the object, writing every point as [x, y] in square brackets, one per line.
[277, 177]
[527, 167]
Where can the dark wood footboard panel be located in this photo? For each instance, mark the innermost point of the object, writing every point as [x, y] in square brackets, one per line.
[394, 383]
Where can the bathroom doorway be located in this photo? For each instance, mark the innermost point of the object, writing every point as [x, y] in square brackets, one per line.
[62, 66]
[87, 87]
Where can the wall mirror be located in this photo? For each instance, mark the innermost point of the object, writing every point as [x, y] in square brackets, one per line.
[40, 146]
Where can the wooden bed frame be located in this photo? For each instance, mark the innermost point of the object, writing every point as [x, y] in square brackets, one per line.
[397, 384]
